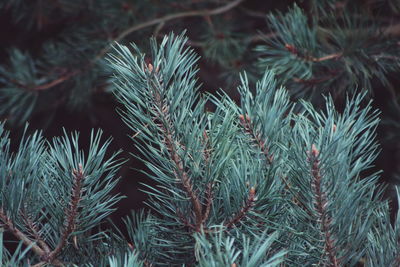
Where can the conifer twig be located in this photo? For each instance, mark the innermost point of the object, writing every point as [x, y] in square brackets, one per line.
[184, 220]
[54, 82]
[166, 128]
[248, 127]
[41, 252]
[160, 21]
[45, 86]
[9, 225]
[193, 13]
[246, 123]
[209, 200]
[35, 232]
[244, 210]
[292, 49]
[321, 203]
[71, 213]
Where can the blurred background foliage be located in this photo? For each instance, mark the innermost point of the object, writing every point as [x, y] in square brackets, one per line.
[53, 73]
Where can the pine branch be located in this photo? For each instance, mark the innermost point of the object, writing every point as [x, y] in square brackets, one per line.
[292, 49]
[244, 210]
[249, 129]
[9, 225]
[321, 203]
[208, 204]
[53, 83]
[193, 13]
[184, 220]
[166, 128]
[46, 86]
[35, 232]
[71, 213]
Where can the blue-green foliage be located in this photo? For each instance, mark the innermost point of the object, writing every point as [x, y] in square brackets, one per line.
[249, 184]
[37, 186]
[328, 52]
[255, 169]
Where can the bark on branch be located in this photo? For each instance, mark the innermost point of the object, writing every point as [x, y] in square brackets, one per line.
[320, 204]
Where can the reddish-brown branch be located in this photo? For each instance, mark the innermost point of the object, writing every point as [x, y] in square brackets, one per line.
[293, 50]
[192, 13]
[9, 225]
[34, 231]
[184, 220]
[321, 203]
[48, 85]
[244, 210]
[42, 250]
[184, 178]
[246, 123]
[71, 212]
[54, 82]
[209, 200]
[207, 149]
[249, 129]
[166, 128]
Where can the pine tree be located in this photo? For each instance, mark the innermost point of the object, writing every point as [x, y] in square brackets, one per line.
[262, 179]
[254, 184]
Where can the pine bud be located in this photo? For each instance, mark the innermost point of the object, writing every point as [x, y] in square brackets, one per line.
[150, 67]
[244, 119]
[252, 191]
[291, 48]
[314, 150]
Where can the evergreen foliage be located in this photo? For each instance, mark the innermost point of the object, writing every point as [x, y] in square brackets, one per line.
[332, 52]
[266, 180]
[252, 170]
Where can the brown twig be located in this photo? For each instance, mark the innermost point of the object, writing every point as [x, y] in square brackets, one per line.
[167, 130]
[71, 213]
[160, 21]
[245, 121]
[321, 203]
[249, 129]
[293, 50]
[209, 200]
[193, 13]
[9, 225]
[35, 232]
[48, 85]
[42, 252]
[54, 82]
[244, 210]
[184, 220]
